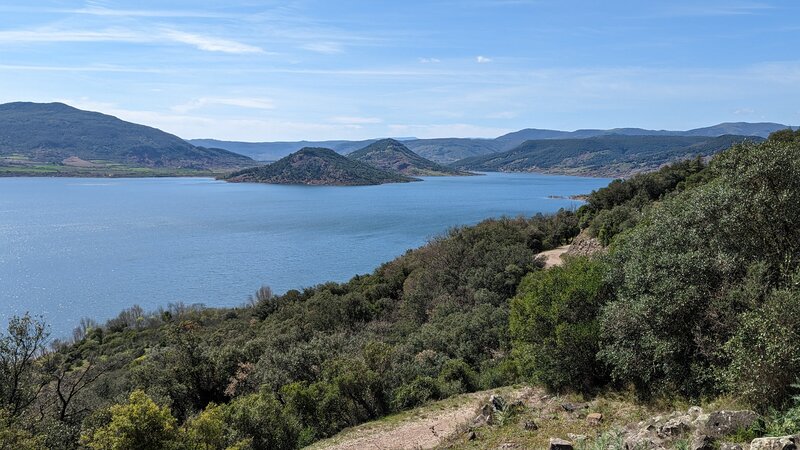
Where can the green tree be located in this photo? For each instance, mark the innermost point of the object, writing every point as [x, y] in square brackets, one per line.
[139, 424]
[20, 381]
[764, 350]
[260, 419]
[554, 325]
[207, 430]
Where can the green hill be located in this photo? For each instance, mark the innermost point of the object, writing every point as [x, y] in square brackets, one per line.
[614, 155]
[60, 139]
[317, 166]
[391, 155]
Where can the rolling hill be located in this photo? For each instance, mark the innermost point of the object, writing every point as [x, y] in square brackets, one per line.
[317, 166]
[55, 135]
[273, 151]
[392, 155]
[449, 150]
[613, 155]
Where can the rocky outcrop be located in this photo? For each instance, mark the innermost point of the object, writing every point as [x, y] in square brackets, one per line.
[584, 245]
[722, 423]
[775, 443]
[560, 444]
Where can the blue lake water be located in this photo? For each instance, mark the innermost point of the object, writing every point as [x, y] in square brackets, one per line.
[72, 248]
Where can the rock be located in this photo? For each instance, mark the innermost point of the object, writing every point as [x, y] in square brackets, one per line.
[722, 423]
[471, 436]
[594, 419]
[498, 402]
[702, 442]
[727, 446]
[584, 245]
[643, 440]
[695, 412]
[675, 427]
[774, 443]
[560, 444]
[577, 438]
[530, 425]
[572, 407]
[485, 417]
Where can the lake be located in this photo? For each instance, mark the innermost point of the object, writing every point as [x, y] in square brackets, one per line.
[72, 248]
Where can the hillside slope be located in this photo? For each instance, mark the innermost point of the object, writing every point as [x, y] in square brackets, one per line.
[600, 156]
[391, 155]
[60, 135]
[317, 166]
[449, 150]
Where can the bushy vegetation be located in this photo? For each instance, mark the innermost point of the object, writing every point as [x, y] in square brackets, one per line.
[696, 296]
[287, 370]
[701, 282]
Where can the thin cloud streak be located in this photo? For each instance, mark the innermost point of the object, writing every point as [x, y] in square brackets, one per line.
[153, 37]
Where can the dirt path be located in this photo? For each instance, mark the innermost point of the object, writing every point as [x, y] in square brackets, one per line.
[553, 257]
[423, 428]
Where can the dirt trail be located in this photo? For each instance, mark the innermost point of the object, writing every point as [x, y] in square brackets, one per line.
[553, 257]
[420, 429]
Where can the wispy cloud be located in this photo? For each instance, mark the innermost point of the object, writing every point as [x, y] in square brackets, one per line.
[328, 48]
[350, 120]
[250, 103]
[102, 11]
[55, 35]
[483, 59]
[429, 60]
[707, 9]
[109, 12]
[212, 44]
[91, 68]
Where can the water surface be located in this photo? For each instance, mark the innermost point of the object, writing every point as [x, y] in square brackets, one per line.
[72, 248]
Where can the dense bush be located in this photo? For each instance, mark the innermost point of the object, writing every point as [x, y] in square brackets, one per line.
[765, 349]
[681, 273]
[554, 324]
[618, 206]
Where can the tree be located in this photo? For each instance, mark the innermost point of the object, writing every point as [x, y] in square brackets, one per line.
[70, 374]
[554, 325]
[260, 418]
[20, 383]
[139, 424]
[207, 430]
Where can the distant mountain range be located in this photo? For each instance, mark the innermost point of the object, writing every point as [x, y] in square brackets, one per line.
[317, 166]
[56, 139]
[610, 155]
[392, 155]
[449, 150]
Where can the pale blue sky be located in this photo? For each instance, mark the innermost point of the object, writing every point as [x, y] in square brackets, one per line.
[312, 69]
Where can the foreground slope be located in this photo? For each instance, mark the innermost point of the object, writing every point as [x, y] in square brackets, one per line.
[64, 139]
[600, 156]
[317, 166]
[391, 155]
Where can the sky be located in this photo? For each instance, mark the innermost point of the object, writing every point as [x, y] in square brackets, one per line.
[260, 70]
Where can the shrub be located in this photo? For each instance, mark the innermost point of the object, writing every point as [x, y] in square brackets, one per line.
[765, 351]
[139, 424]
[418, 392]
[555, 327]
